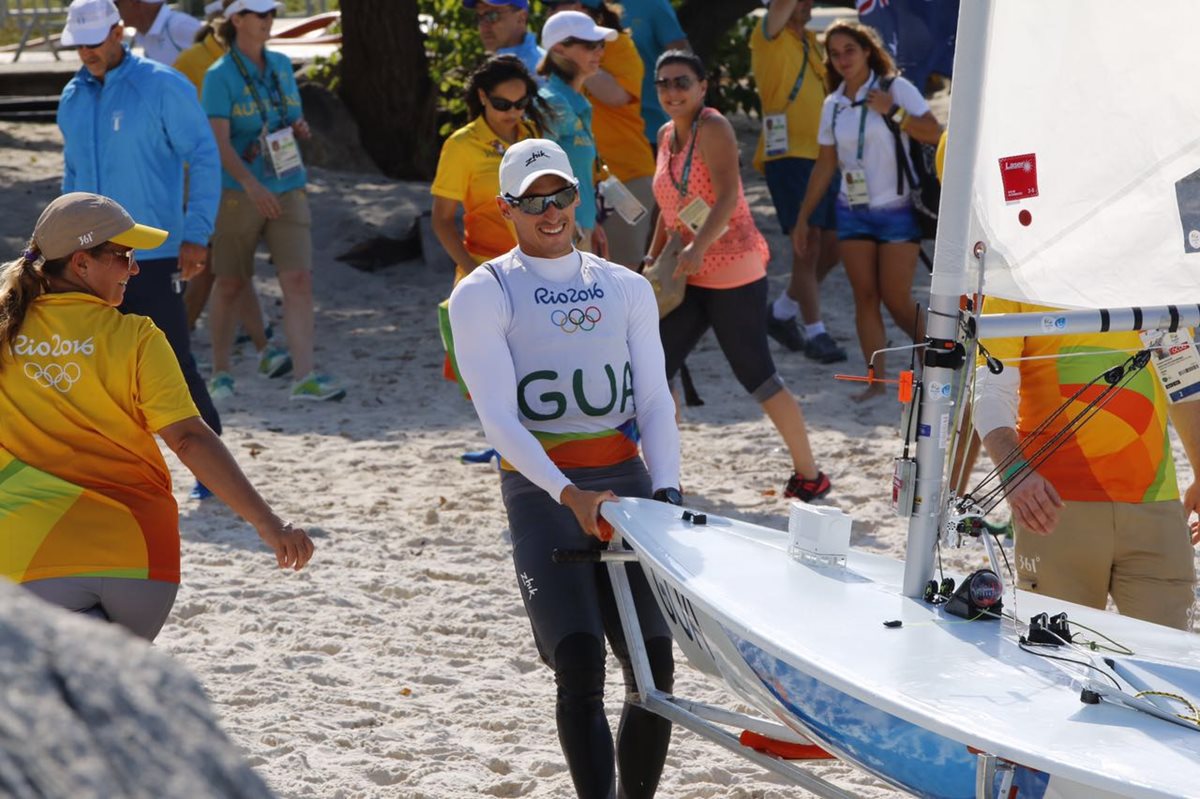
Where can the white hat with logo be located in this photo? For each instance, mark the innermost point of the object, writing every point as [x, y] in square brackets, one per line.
[257, 6]
[574, 25]
[528, 160]
[88, 22]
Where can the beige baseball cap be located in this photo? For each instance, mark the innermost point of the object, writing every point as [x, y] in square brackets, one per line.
[80, 221]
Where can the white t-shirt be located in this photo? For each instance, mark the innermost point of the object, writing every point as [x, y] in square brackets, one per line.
[171, 34]
[879, 146]
[565, 366]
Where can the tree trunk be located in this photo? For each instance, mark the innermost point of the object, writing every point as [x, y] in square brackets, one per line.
[385, 83]
[706, 22]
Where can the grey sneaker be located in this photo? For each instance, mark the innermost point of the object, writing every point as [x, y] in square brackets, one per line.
[785, 331]
[274, 362]
[317, 388]
[220, 388]
[823, 349]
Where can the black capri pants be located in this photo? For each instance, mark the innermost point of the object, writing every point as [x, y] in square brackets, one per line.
[738, 317]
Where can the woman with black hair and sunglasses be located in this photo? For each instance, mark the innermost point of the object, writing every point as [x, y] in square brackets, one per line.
[504, 107]
[574, 46]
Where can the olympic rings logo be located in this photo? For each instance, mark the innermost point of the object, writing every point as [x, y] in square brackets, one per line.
[584, 319]
[59, 377]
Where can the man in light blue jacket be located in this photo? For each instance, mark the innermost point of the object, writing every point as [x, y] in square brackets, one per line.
[129, 125]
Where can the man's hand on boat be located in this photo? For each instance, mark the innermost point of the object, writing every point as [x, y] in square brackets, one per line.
[586, 507]
[1035, 504]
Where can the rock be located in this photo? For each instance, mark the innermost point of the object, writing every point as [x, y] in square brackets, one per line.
[334, 143]
[87, 711]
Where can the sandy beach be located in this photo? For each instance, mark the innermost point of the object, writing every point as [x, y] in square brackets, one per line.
[400, 662]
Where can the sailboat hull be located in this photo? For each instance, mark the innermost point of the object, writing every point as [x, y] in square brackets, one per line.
[910, 704]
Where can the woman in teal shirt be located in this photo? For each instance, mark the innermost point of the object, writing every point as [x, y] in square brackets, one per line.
[253, 105]
[574, 45]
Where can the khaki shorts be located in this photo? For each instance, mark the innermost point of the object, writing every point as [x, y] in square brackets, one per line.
[1140, 553]
[240, 226]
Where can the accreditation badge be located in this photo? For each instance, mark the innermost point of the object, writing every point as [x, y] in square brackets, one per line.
[1176, 363]
[775, 134]
[694, 214]
[854, 183]
[282, 152]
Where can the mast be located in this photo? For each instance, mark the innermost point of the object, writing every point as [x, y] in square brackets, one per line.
[954, 247]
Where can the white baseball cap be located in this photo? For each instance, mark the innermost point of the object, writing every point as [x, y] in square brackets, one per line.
[258, 6]
[214, 8]
[88, 22]
[574, 25]
[528, 160]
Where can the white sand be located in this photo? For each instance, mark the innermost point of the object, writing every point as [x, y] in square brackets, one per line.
[400, 662]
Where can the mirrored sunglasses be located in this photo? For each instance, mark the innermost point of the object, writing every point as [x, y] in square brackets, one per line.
[537, 205]
[680, 82]
[501, 104]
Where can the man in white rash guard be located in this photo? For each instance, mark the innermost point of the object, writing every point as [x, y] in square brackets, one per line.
[561, 354]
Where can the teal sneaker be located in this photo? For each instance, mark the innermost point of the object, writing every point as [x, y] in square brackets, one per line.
[317, 388]
[220, 388]
[274, 362]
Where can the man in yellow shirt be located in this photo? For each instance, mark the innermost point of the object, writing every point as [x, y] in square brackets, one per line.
[788, 67]
[1101, 515]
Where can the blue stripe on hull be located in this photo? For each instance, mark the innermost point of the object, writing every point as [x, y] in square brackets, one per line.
[920, 761]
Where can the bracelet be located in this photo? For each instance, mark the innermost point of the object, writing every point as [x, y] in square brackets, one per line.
[1013, 469]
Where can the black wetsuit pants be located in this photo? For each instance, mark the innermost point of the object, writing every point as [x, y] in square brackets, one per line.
[572, 609]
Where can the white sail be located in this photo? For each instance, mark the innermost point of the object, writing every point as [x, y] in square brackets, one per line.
[1095, 119]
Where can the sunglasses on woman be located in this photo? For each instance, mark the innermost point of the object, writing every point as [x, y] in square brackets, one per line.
[501, 104]
[679, 82]
[537, 205]
[590, 45]
[260, 14]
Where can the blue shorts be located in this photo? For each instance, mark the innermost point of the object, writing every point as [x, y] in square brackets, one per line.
[884, 225]
[787, 180]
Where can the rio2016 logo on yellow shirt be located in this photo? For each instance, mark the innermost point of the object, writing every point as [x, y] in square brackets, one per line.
[57, 376]
[61, 377]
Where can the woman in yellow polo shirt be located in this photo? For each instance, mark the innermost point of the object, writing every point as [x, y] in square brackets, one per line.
[504, 107]
[87, 517]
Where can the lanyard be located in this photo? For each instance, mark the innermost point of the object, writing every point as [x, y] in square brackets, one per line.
[862, 120]
[800, 78]
[681, 185]
[276, 97]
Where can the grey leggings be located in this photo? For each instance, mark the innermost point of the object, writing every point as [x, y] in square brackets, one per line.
[140, 606]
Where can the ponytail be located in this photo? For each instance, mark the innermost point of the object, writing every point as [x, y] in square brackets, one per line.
[21, 282]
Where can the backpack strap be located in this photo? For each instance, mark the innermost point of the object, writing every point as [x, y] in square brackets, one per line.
[903, 170]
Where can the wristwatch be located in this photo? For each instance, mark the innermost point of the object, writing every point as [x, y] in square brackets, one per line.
[669, 495]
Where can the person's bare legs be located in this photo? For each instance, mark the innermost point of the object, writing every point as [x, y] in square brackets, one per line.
[805, 285]
[897, 265]
[829, 254]
[250, 314]
[195, 296]
[784, 412]
[298, 318]
[862, 268]
[222, 318]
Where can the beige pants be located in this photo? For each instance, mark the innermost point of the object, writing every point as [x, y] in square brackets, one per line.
[1141, 554]
[626, 242]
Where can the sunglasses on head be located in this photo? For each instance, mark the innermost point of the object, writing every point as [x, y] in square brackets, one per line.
[501, 104]
[260, 14]
[537, 205]
[680, 82]
[590, 45]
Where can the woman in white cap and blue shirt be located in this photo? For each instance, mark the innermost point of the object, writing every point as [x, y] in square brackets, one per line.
[560, 352]
[253, 105]
[574, 46]
[87, 518]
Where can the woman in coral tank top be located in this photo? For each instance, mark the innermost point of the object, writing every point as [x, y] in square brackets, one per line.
[699, 191]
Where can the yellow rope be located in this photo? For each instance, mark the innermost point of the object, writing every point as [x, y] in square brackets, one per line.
[1194, 718]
